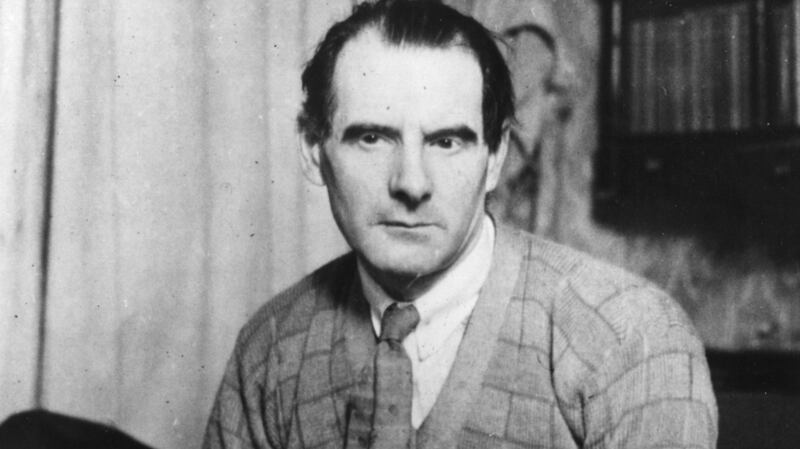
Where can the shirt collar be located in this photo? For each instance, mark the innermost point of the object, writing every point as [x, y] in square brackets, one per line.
[449, 302]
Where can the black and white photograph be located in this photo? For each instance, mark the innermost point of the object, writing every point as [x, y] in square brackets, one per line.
[393, 224]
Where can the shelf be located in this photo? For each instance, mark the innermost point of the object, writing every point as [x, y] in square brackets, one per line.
[758, 371]
[700, 117]
[657, 8]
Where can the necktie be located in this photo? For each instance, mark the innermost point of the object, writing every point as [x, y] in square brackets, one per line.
[391, 425]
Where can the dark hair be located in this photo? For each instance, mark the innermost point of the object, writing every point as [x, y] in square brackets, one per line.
[421, 23]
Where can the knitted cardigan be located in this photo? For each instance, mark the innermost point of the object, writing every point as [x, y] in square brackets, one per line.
[561, 351]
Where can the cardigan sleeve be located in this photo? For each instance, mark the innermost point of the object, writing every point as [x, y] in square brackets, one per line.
[653, 388]
[244, 415]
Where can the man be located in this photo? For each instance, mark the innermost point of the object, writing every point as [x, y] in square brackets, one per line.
[443, 328]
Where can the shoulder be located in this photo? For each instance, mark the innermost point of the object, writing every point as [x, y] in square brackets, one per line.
[599, 312]
[554, 261]
[553, 271]
[586, 289]
[623, 351]
[289, 313]
[267, 356]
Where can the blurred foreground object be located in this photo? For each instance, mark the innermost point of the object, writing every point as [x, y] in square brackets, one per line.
[40, 429]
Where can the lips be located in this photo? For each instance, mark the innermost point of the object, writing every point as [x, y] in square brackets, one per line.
[407, 232]
[405, 224]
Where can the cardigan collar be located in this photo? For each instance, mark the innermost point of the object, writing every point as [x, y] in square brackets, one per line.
[461, 389]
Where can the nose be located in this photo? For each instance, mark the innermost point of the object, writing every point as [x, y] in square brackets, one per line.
[410, 182]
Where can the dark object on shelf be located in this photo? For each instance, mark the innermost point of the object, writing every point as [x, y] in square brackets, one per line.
[758, 421]
[700, 119]
[40, 429]
[758, 395]
[755, 371]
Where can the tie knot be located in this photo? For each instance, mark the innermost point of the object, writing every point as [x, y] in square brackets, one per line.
[397, 322]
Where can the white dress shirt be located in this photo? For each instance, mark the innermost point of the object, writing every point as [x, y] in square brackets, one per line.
[444, 311]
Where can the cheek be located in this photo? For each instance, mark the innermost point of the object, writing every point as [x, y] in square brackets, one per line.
[352, 183]
[463, 180]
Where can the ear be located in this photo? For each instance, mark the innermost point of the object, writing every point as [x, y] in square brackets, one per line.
[495, 162]
[310, 160]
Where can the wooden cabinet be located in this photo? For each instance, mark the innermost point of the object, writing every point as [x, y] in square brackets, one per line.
[699, 111]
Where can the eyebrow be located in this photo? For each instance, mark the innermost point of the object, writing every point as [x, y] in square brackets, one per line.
[462, 132]
[356, 130]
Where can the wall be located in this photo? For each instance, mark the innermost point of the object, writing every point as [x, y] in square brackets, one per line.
[738, 295]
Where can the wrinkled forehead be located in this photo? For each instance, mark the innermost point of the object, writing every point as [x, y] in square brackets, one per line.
[372, 73]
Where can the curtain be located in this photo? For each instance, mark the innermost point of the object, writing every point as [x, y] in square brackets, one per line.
[151, 197]
[27, 36]
[177, 203]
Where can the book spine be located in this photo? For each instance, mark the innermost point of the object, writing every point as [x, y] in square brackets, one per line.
[745, 46]
[795, 21]
[636, 61]
[694, 106]
[721, 90]
[761, 76]
[706, 72]
[679, 74]
[650, 85]
[735, 69]
[662, 64]
[780, 32]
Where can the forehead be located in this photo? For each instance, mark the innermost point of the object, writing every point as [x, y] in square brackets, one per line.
[379, 81]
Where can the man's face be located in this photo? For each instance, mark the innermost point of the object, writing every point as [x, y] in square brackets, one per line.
[406, 166]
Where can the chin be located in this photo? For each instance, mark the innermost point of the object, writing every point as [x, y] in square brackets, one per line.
[412, 270]
[406, 262]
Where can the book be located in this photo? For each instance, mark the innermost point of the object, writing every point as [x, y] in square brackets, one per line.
[795, 23]
[636, 62]
[720, 70]
[781, 35]
[739, 68]
[662, 63]
[743, 42]
[650, 85]
[694, 70]
[706, 73]
[677, 81]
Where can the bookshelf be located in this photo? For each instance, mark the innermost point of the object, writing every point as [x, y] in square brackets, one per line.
[699, 111]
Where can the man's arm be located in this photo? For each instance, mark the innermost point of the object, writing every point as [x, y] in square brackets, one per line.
[653, 389]
[244, 412]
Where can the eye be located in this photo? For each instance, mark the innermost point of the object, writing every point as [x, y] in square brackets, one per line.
[447, 143]
[373, 141]
[369, 139]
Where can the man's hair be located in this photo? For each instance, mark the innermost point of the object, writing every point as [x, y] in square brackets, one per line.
[407, 22]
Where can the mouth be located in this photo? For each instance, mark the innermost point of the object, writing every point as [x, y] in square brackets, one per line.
[405, 224]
